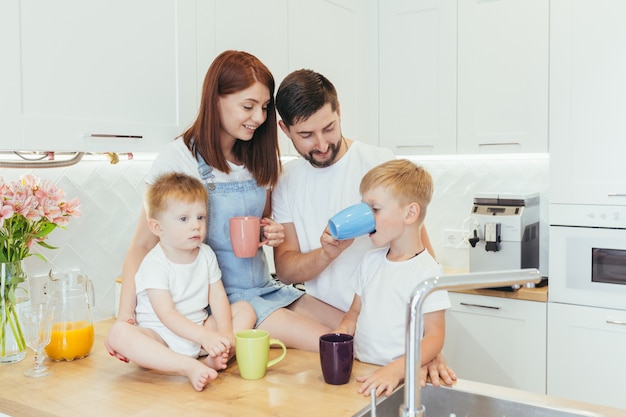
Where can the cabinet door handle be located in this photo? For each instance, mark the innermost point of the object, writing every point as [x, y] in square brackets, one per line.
[110, 136]
[616, 322]
[430, 147]
[617, 194]
[479, 305]
[499, 144]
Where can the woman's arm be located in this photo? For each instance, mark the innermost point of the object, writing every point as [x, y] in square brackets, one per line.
[143, 241]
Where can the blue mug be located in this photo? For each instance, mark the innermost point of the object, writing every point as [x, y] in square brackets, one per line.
[351, 222]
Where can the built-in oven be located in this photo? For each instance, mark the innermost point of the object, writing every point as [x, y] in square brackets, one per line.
[588, 255]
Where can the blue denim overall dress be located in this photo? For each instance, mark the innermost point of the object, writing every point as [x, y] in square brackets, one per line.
[246, 279]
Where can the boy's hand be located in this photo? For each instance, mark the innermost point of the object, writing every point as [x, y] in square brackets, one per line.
[385, 380]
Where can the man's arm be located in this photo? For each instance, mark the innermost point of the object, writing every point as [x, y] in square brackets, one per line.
[293, 266]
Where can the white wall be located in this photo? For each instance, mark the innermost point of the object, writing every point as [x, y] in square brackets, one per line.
[111, 197]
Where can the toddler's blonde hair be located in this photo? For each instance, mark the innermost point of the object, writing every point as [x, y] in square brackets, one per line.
[173, 186]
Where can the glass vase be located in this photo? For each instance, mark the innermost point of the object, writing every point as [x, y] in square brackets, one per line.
[14, 295]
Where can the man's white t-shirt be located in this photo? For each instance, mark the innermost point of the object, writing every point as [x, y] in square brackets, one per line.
[308, 196]
[385, 288]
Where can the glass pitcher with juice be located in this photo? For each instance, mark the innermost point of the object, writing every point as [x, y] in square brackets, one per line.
[72, 329]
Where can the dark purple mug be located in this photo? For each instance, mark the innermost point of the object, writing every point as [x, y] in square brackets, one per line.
[336, 357]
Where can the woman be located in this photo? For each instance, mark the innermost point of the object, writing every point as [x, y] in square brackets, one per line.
[233, 148]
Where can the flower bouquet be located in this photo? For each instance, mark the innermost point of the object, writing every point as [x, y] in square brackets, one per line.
[30, 209]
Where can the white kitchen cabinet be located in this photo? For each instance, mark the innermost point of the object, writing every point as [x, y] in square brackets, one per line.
[503, 76]
[587, 102]
[10, 100]
[418, 76]
[497, 341]
[586, 354]
[467, 80]
[106, 75]
[337, 39]
[266, 41]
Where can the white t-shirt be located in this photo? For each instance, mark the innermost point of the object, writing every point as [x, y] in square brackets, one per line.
[177, 158]
[385, 288]
[308, 196]
[187, 283]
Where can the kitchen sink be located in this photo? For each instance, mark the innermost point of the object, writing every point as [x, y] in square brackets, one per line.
[445, 402]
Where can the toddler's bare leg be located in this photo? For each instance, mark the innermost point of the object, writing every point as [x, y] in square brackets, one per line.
[147, 349]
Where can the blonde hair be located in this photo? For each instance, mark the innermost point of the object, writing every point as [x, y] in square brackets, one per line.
[173, 186]
[405, 180]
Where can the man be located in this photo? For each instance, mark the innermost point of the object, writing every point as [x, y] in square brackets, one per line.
[315, 187]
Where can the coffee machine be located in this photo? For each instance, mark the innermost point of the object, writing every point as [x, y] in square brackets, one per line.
[505, 232]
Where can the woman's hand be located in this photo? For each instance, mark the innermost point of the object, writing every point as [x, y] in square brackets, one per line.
[112, 351]
[273, 232]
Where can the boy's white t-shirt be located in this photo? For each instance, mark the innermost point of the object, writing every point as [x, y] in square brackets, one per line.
[385, 288]
[307, 197]
[187, 283]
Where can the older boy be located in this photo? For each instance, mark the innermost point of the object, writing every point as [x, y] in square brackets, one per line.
[399, 193]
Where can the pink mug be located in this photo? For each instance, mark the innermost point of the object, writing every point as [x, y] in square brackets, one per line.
[245, 235]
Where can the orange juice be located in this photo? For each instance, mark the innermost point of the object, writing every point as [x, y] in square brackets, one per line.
[70, 340]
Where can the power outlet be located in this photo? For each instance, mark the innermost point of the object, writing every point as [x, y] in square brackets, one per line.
[38, 288]
[455, 239]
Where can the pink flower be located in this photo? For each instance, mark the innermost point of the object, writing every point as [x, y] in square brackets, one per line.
[30, 210]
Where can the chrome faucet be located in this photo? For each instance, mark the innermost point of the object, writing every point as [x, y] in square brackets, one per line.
[412, 403]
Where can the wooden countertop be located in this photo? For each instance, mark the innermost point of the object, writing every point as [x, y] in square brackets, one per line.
[99, 385]
[539, 294]
[528, 294]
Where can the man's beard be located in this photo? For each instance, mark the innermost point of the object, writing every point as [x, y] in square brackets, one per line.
[334, 150]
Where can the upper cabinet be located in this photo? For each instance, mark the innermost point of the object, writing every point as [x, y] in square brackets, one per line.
[418, 76]
[587, 102]
[467, 80]
[105, 75]
[337, 39]
[267, 41]
[10, 99]
[503, 76]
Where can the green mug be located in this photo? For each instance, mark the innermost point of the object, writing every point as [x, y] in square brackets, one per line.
[252, 348]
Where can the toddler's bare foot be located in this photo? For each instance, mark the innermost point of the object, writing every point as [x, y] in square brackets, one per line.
[218, 363]
[199, 375]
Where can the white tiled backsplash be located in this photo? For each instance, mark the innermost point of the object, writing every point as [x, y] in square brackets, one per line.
[111, 197]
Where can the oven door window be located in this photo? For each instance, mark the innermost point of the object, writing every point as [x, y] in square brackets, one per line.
[608, 266]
